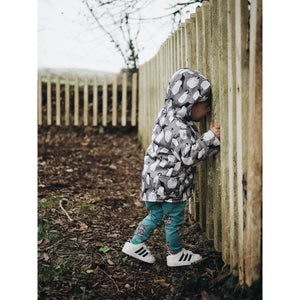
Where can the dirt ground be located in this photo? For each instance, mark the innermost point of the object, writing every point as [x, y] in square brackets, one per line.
[88, 206]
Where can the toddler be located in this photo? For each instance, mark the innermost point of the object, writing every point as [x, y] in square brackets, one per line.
[170, 164]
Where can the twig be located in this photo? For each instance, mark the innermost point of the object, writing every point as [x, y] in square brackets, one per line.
[60, 204]
[110, 279]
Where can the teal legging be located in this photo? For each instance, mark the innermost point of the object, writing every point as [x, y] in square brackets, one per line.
[170, 214]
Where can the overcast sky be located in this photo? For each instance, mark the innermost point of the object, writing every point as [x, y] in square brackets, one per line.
[66, 38]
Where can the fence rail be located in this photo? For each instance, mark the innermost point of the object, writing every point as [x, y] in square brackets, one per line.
[217, 41]
[76, 98]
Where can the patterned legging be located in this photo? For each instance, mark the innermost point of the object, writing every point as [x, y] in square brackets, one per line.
[170, 214]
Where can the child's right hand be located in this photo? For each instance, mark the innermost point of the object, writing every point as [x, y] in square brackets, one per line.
[215, 129]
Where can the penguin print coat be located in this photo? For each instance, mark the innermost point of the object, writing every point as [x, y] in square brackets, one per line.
[176, 146]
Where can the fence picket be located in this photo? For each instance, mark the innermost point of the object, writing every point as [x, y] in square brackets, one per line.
[209, 163]
[232, 163]
[85, 102]
[104, 102]
[223, 96]
[76, 101]
[40, 101]
[67, 101]
[241, 30]
[95, 101]
[201, 168]
[57, 101]
[114, 99]
[49, 101]
[134, 98]
[178, 48]
[124, 99]
[254, 167]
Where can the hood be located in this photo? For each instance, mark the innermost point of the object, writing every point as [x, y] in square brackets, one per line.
[186, 87]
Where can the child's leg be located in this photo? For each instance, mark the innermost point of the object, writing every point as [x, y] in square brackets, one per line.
[173, 218]
[153, 219]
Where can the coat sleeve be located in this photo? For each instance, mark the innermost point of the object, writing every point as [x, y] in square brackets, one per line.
[190, 150]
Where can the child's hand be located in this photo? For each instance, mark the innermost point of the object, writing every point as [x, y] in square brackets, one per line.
[215, 129]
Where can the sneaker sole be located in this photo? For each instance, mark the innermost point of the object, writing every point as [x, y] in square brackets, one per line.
[186, 263]
[124, 250]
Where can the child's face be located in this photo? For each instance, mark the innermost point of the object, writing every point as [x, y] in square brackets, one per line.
[199, 110]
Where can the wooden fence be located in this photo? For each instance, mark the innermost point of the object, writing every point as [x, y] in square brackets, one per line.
[223, 40]
[78, 102]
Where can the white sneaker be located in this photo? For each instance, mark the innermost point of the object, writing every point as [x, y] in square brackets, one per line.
[139, 251]
[182, 258]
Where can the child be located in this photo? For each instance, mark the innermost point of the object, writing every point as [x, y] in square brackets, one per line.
[170, 164]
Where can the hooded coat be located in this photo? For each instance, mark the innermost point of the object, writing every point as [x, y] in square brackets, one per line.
[176, 146]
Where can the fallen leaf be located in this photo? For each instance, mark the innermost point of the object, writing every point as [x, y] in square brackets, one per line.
[104, 249]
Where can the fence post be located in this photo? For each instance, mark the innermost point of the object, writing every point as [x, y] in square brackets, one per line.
[76, 101]
[209, 168]
[254, 172]
[85, 102]
[40, 101]
[232, 163]
[214, 184]
[114, 98]
[133, 99]
[178, 47]
[241, 31]
[49, 101]
[67, 101]
[200, 180]
[182, 32]
[191, 56]
[124, 99]
[95, 101]
[57, 100]
[223, 96]
[104, 102]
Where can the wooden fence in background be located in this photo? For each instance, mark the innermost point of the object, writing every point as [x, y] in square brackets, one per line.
[223, 40]
[84, 102]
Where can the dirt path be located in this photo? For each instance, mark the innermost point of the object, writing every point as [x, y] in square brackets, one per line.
[88, 205]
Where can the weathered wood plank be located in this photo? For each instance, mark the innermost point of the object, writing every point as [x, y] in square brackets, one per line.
[223, 98]
[124, 99]
[182, 33]
[201, 168]
[57, 90]
[85, 102]
[232, 138]
[253, 233]
[49, 101]
[208, 48]
[76, 101]
[40, 101]
[214, 174]
[104, 102]
[134, 99]
[67, 101]
[95, 101]
[114, 101]
[242, 84]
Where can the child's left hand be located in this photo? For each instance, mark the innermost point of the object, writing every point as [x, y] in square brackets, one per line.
[215, 129]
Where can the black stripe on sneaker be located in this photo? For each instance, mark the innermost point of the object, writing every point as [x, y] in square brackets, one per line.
[186, 256]
[190, 257]
[182, 255]
[141, 249]
[145, 254]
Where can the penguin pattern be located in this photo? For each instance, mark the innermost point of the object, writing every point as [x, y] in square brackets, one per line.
[176, 145]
